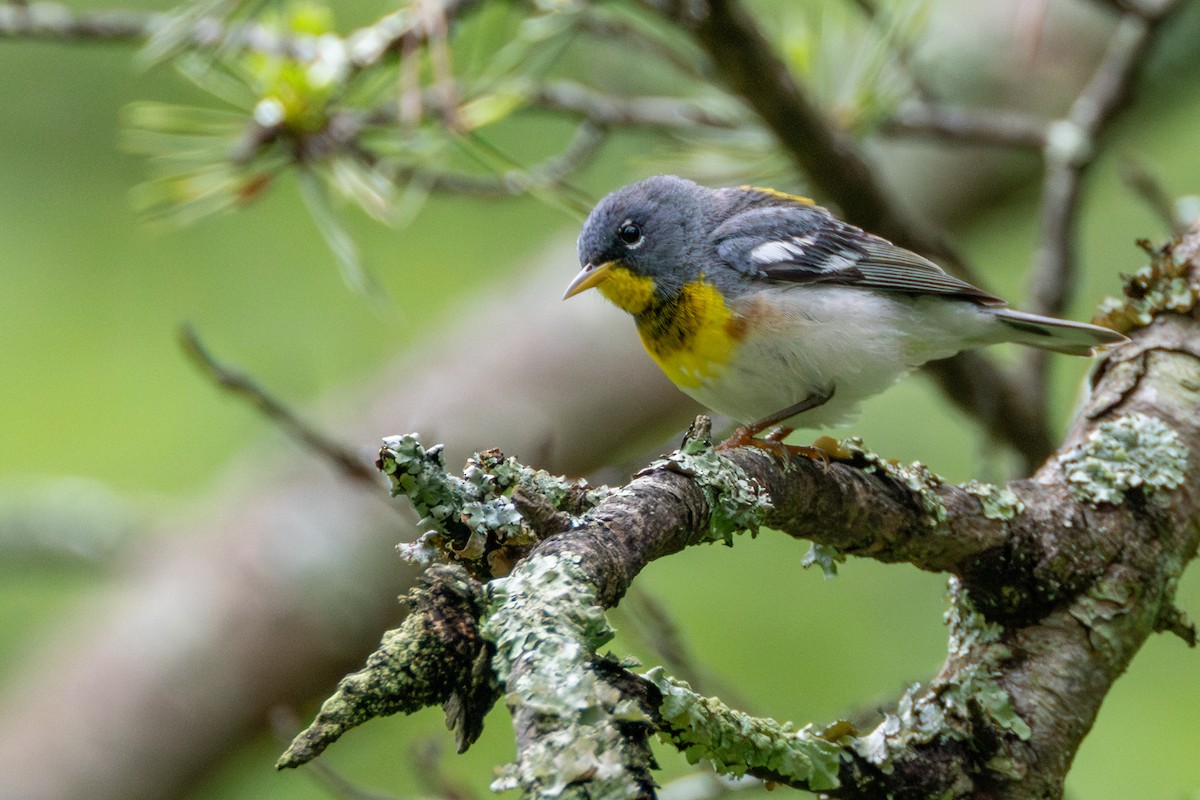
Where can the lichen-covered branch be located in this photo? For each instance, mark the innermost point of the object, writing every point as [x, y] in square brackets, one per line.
[577, 735]
[1056, 583]
[436, 657]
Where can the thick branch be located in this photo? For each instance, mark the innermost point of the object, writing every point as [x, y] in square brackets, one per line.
[1059, 581]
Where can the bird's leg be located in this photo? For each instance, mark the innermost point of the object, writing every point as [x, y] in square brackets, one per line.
[779, 434]
[773, 441]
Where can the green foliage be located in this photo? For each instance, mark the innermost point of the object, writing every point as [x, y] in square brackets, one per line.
[859, 64]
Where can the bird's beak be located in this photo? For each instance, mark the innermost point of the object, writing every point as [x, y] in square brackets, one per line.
[591, 275]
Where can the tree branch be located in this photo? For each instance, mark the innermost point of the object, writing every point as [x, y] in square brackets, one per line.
[968, 126]
[1070, 151]
[49, 21]
[1058, 581]
[747, 61]
[619, 111]
[242, 385]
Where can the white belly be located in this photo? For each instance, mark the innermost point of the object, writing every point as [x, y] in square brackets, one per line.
[811, 340]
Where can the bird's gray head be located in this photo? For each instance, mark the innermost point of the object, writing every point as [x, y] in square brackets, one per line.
[652, 230]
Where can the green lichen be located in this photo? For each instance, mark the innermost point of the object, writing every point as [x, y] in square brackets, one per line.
[735, 742]
[736, 502]
[545, 616]
[1163, 285]
[998, 502]
[825, 557]
[1109, 598]
[923, 481]
[411, 669]
[975, 638]
[951, 706]
[968, 628]
[471, 516]
[1134, 451]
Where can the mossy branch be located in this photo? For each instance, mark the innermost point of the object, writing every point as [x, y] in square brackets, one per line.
[436, 656]
[1056, 583]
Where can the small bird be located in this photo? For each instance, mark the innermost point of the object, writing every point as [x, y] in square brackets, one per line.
[764, 307]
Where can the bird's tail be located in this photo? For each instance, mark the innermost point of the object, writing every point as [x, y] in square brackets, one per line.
[1059, 335]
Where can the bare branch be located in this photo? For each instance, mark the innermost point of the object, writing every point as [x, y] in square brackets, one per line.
[52, 21]
[611, 110]
[238, 383]
[549, 175]
[612, 28]
[975, 126]
[1071, 150]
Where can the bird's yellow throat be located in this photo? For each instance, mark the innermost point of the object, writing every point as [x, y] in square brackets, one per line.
[691, 335]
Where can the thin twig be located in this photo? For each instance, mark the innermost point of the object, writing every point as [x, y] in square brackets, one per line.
[618, 111]
[52, 21]
[613, 29]
[1146, 185]
[975, 126]
[242, 385]
[550, 174]
[1071, 149]
[399, 30]
[366, 46]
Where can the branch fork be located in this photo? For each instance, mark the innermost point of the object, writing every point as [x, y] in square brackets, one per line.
[1056, 581]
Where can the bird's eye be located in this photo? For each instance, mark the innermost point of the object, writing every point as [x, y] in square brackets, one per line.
[630, 234]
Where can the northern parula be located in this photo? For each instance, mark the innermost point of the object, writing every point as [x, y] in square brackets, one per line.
[765, 307]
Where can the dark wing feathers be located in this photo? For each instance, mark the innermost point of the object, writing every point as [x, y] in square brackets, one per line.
[799, 243]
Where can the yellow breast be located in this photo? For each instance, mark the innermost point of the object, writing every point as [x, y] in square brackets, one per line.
[691, 336]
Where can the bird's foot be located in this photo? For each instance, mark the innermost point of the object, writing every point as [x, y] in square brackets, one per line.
[747, 435]
[824, 450]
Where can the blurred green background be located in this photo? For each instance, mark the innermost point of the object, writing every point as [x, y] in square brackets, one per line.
[93, 386]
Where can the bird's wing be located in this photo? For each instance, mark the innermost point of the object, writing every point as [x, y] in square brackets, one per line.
[794, 242]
